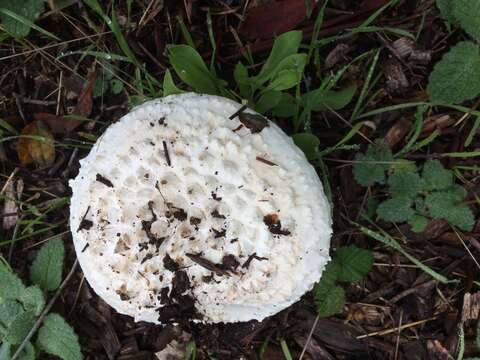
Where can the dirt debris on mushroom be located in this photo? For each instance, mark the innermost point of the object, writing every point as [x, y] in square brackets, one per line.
[172, 203]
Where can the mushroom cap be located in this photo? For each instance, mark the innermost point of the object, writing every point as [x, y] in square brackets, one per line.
[179, 211]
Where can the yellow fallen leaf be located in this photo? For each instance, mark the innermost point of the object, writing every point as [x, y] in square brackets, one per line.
[36, 145]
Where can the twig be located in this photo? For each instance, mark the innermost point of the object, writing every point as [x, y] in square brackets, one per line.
[309, 338]
[465, 246]
[397, 342]
[395, 329]
[45, 311]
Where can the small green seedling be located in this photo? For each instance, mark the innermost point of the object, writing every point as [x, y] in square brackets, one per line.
[107, 82]
[349, 264]
[412, 196]
[20, 307]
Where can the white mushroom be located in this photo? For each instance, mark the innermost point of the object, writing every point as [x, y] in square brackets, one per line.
[182, 210]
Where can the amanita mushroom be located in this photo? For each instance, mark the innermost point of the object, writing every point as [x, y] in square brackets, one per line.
[194, 207]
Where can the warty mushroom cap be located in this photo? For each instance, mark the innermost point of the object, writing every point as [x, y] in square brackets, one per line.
[182, 210]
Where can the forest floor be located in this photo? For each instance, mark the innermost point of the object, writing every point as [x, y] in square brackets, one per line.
[399, 311]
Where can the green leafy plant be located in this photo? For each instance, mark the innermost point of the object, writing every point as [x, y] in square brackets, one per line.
[18, 16]
[21, 306]
[455, 78]
[107, 82]
[349, 264]
[412, 196]
[268, 90]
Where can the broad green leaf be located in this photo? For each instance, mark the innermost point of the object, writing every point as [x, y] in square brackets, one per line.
[435, 176]
[28, 352]
[57, 338]
[370, 167]
[19, 327]
[5, 351]
[283, 80]
[191, 68]
[329, 300]
[467, 12]
[28, 9]
[288, 73]
[454, 78]
[418, 223]
[268, 101]
[286, 107]
[241, 78]
[371, 207]
[295, 62]
[308, 143]
[322, 100]
[116, 86]
[285, 45]
[330, 274]
[404, 184]
[446, 205]
[169, 87]
[446, 9]
[12, 287]
[354, 263]
[46, 270]
[9, 310]
[397, 209]
[33, 299]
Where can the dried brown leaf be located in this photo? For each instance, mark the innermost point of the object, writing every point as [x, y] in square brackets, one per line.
[56, 123]
[273, 17]
[36, 145]
[85, 99]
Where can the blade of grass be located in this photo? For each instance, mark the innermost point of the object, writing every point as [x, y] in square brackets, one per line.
[377, 13]
[466, 154]
[185, 33]
[351, 133]
[365, 86]
[426, 141]
[27, 22]
[8, 127]
[286, 351]
[212, 40]
[369, 29]
[112, 23]
[387, 240]
[385, 109]
[415, 132]
[97, 54]
[316, 31]
[473, 132]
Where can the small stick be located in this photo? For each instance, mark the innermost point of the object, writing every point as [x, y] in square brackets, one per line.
[309, 338]
[395, 329]
[207, 264]
[238, 112]
[265, 161]
[167, 155]
[250, 258]
[44, 313]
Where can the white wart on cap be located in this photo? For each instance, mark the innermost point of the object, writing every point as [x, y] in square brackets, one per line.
[181, 211]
